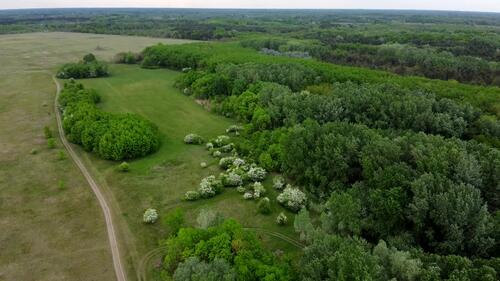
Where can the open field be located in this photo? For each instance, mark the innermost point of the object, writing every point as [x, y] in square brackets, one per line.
[51, 225]
[160, 180]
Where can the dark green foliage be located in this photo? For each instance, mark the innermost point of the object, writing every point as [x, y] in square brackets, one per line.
[342, 215]
[450, 218]
[239, 250]
[264, 206]
[174, 221]
[89, 67]
[128, 58]
[195, 270]
[334, 258]
[89, 58]
[111, 136]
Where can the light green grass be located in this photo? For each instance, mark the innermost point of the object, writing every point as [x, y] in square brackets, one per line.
[160, 180]
[47, 233]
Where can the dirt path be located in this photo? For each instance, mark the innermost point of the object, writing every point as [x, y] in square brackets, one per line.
[120, 273]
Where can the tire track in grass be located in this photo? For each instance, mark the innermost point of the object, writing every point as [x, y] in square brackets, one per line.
[113, 243]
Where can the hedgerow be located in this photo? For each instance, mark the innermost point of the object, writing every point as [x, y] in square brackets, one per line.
[111, 136]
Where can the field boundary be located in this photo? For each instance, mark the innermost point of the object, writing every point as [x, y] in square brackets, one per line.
[117, 263]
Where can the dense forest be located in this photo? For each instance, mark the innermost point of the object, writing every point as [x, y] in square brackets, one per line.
[402, 177]
[386, 123]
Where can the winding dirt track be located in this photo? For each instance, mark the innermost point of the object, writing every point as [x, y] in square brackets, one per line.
[120, 273]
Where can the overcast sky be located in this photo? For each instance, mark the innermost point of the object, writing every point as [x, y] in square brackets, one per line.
[461, 5]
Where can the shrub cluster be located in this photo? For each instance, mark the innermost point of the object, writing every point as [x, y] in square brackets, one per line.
[193, 139]
[111, 136]
[89, 67]
[128, 58]
[292, 198]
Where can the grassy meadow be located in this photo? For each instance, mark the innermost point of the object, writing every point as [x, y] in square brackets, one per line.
[51, 225]
[160, 180]
[48, 214]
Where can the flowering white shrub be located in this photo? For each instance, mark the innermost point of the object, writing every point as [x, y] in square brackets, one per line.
[256, 174]
[258, 190]
[234, 129]
[226, 162]
[281, 219]
[237, 162]
[278, 183]
[209, 186]
[209, 145]
[191, 195]
[221, 141]
[193, 139]
[241, 189]
[248, 195]
[227, 148]
[203, 164]
[217, 153]
[231, 179]
[292, 198]
[150, 216]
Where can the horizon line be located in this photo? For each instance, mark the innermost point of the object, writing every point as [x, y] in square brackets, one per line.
[247, 8]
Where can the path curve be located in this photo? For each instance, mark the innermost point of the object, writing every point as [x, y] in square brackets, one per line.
[120, 273]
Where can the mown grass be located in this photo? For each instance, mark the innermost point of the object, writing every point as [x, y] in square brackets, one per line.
[160, 180]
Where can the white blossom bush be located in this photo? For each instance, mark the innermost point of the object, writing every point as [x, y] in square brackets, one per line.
[258, 189]
[221, 141]
[150, 216]
[226, 162]
[203, 164]
[248, 195]
[278, 182]
[217, 154]
[238, 162]
[256, 174]
[241, 189]
[234, 129]
[209, 186]
[281, 219]
[231, 179]
[292, 198]
[191, 195]
[193, 139]
[209, 145]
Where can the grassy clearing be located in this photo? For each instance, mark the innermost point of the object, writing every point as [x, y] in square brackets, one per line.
[160, 180]
[51, 226]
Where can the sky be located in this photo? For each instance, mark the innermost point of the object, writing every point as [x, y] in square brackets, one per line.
[458, 5]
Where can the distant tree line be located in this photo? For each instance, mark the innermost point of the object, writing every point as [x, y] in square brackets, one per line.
[401, 59]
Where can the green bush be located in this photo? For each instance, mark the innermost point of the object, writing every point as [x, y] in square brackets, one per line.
[61, 155]
[264, 206]
[51, 143]
[111, 136]
[124, 167]
[89, 67]
[47, 132]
